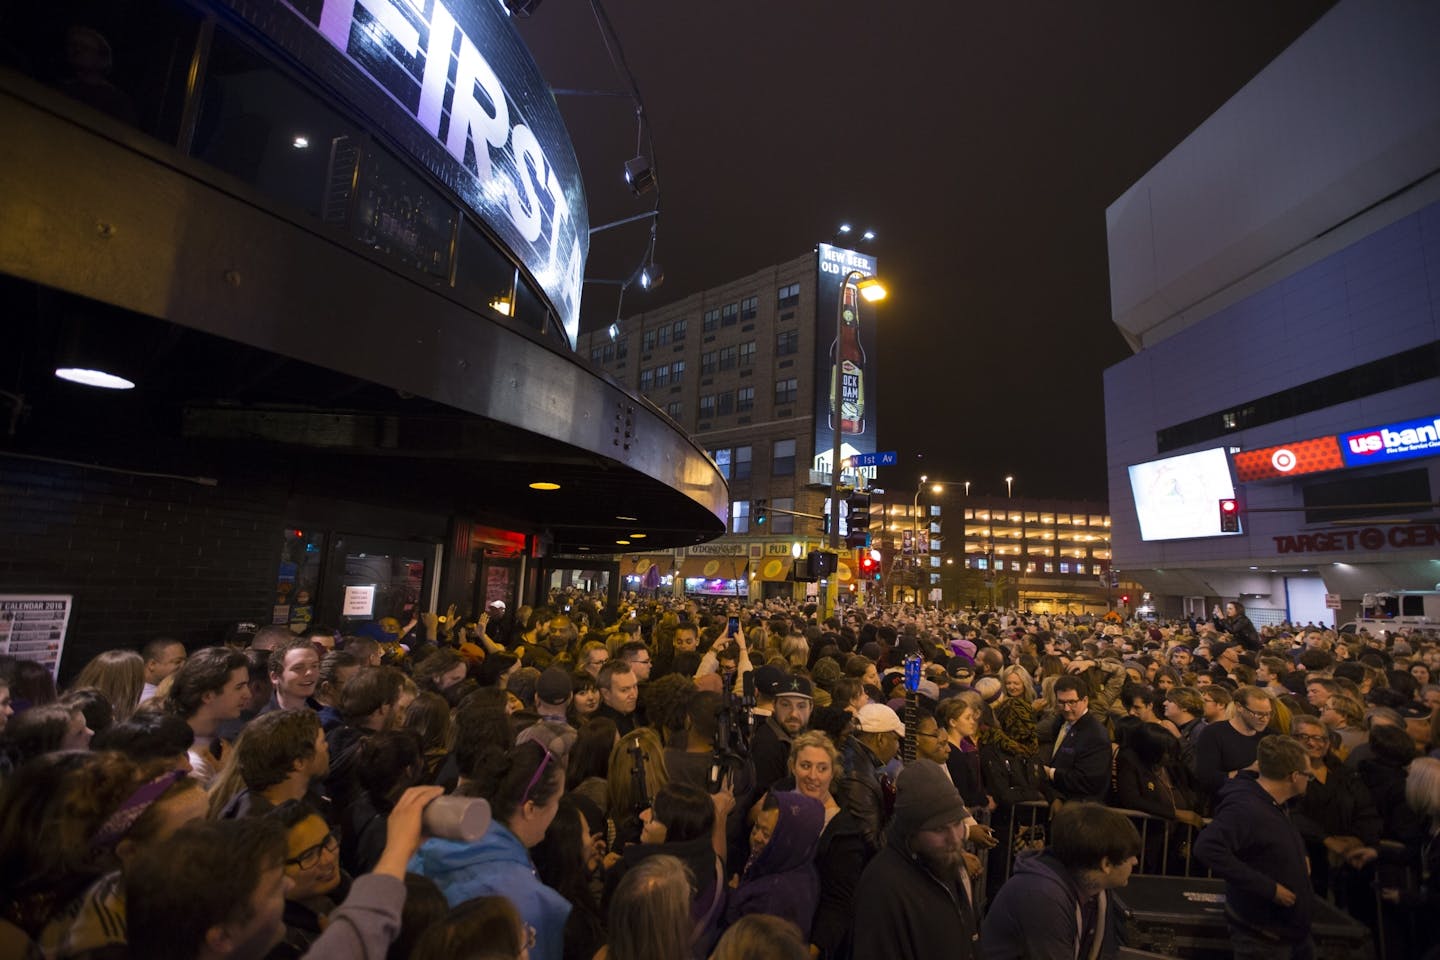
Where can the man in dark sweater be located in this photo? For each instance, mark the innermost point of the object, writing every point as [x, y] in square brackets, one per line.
[1223, 749]
[1057, 904]
[912, 902]
[1252, 845]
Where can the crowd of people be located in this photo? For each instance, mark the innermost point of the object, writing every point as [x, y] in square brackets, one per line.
[673, 778]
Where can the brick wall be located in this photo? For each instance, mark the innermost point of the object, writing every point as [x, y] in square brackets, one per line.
[143, 556]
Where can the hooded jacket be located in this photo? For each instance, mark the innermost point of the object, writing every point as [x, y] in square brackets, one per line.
[497, 865]
[1252, 845]
[902, 909]
[1037, 915]
[781, 880]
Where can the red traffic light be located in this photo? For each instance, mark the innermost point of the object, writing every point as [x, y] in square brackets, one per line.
[1125, 598]
[1229, 515]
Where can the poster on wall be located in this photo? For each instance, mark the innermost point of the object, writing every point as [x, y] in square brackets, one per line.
[359, 601]
[32, 627]
[853, 351]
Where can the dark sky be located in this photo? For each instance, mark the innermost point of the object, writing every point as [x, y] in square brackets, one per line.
[981, 141]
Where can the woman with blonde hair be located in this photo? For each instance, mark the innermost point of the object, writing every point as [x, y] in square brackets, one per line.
[119, 675]
[624, 802]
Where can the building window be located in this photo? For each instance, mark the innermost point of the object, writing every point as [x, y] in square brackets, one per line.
[786, 391]
[747, 353]
[609, 352]
[673, 408]
[742, 463]
[1064, 566]
[711, 320]
[1047, 567]
[749, 307]
[780, 520]
[708, 362]
[677, 331]
[728, 357]
[787, 343]
[647, 379]
[740, 516]
[729, 314]
[595, 355]
[782, 458]
[664, 334]
[647, 341]
[788, 296]
[677, 371]
[622, 348]
[745, 399]
[725, 403]
[662, 376]
[707, 410]
[982, 563]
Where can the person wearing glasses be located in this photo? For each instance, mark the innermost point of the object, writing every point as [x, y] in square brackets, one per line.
[1224, 749]
[1254, 847]
[1079, 765]
[523, 786]
[1337, 816]
[312, 871]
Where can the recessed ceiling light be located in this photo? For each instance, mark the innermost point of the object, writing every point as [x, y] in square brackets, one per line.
[544, 485]
[632, 519]
[623, 543]
[300, 143]
[637, 536]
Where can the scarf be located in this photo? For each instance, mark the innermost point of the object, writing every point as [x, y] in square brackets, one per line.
[1014, 728]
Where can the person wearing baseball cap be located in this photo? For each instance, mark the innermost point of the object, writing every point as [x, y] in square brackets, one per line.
[875, 742]
[913, 900]
[553, 692]
[793, 699]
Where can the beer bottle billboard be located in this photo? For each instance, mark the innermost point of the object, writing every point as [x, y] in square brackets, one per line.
[850, 367]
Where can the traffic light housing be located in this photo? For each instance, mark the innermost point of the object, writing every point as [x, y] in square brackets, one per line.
[858, 525]
[1229, 515]
[760, 511]
[821, 563]
[867, 565]
[1125, 599]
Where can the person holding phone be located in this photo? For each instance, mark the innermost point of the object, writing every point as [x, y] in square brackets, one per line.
[732, 638]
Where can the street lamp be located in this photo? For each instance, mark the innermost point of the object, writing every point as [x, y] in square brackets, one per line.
[936, 487]
[1009, 482]
[872, 290]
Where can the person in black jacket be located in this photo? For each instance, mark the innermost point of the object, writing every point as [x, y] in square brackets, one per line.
[913, 900]
[1336, 816]
[1237, 625]
[1079, 767]
[1252, 845]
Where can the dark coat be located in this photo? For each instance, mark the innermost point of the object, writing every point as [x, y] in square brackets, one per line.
[1010, 777]
[769, 752]
[1082, 761]
[1034, 915]
[904, 912]
[1241, 629]
[840, 859]
[967, 773]
[860, 791]
[1252, 845]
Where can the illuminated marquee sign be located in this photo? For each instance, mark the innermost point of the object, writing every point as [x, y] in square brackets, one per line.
[1350, 539]
[453, 82]
[1363, 448]
[1396, 441]
[853, 352]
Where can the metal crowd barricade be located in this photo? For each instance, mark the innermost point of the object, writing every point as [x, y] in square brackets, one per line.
[1173, 842]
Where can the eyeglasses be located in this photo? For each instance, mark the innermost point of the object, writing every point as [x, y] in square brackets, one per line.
[1068, 703]
[539, 772]
[1258, 714]
[1304, 773]
[1312, 738]
[311, 855]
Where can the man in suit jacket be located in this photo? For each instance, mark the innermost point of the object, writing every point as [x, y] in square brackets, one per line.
[1079, 767]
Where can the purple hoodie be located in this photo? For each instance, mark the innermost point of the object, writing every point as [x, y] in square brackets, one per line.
[781, 880]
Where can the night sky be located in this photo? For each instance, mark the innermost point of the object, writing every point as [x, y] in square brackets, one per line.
[981, 141]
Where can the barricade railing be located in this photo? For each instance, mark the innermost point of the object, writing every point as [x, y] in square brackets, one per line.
[1167, 846]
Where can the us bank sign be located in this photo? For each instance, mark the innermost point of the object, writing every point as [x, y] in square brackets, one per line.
[454, 85]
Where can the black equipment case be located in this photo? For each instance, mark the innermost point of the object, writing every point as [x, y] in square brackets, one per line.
[1185, 917]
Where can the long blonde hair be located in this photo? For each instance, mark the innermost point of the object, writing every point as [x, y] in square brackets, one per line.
[119, 675]
[622, 795]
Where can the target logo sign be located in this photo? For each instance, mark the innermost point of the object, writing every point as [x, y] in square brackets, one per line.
[1283, 460]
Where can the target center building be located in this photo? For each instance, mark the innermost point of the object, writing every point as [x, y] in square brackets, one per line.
[1278, 276]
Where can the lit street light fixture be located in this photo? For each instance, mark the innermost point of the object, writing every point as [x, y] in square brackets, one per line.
[872, 290]
[1009, 482]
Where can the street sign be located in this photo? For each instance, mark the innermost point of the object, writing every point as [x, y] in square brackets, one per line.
[887, 459]
[1332, 601]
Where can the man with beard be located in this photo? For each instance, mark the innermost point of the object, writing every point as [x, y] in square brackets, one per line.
[770, 746]
[912, 900]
